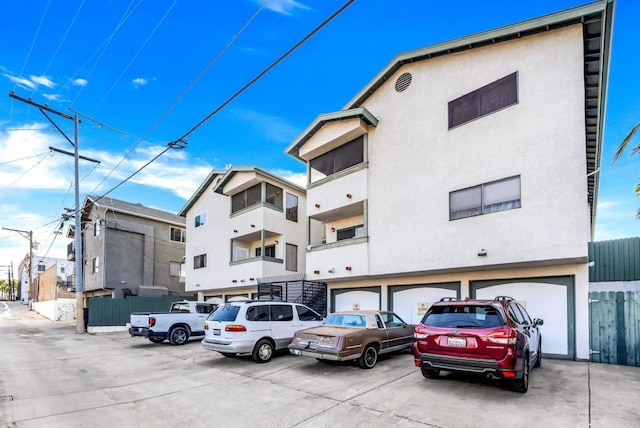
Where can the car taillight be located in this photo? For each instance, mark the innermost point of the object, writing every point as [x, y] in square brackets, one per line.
[418, 333]
[505, 337]
[152, 321]
[206, 325]
[235, 327]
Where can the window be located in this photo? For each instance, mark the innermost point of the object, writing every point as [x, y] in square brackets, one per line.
[96, 228]
[200, 261]
[205, 308]
[281, 313]
[225, 313]
[258, 313]
[201, 219]
[463, 316]
[292, 207]
[292, 258]
[486, 198]
[174, 269]
[481, 102]
[340, 158]
[269, 251]
[95, 265]
[178, 235]
[515, 314]
[241, 253]
[42, 268]
[61, 269]
[306, 314]
[273, 195]
[247, 198]
[350, 232]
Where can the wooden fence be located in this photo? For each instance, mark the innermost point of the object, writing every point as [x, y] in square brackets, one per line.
[615, 327]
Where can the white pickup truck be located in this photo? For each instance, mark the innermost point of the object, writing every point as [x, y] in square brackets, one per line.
[184, 319]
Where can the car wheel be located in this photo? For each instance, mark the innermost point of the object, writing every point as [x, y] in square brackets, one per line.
[228, 354]
[178, 336]
[522, 384]
[156, 339]
[539, 359]
[369, 357]
[263, 351]
[429, 373]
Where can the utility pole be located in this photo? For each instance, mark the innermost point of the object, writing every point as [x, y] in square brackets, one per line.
[29, 235]
[78, 217]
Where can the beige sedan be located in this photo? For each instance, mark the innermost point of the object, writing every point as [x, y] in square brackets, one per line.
[354, 335]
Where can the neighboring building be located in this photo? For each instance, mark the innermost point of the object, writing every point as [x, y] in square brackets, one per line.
[245, 225]
[64, 271]
[130, 249]
[53, 297]
[467, 169]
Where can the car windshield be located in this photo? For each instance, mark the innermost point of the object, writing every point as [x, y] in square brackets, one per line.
[346, 320]
[469, 316]
[224, 313]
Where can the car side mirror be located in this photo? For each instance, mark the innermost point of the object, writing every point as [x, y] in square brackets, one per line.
[537, 321]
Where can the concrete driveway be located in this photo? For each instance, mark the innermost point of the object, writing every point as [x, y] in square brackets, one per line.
[52, 377]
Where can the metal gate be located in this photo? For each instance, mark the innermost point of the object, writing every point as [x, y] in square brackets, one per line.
[615, 327]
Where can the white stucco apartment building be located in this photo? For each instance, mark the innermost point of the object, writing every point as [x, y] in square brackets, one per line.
[244, 225]
[467, 169]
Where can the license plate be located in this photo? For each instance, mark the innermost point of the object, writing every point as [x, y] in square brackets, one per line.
[313, 345]
[459, 342]
[216, 332]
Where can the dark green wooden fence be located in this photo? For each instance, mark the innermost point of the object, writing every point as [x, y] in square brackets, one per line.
[615, 327]
[116, 312]
[615, 260]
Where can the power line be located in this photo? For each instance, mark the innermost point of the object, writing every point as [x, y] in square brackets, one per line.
[25, 158]
[181, 142]
[183, 94]
[22, 175]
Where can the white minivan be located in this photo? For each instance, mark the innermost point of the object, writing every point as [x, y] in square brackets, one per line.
[256, 328]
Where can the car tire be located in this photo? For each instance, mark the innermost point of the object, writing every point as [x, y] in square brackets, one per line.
[263, 351]
[369, 357]
[522, 384]
[430, 373]
[539, 358]
[178, 336]
[156, 339]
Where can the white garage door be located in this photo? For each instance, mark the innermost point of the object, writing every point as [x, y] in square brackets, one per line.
[356, 300]
[412, 302]
[549, 299]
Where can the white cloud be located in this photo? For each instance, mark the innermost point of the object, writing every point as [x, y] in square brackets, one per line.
[43, 80]
[284, 7]
[80, 82]
[272, 127]
[21, 81]
[139, 81]
[299, 178]
[53, 97]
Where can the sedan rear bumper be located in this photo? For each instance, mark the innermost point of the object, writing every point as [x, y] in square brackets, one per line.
[324, 355]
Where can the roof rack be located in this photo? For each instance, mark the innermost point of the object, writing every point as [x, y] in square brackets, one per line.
[448, 299]
[499, 298]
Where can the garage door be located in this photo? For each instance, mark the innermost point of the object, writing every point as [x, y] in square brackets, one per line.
[550, 298]
[411, 302]
[349, 299]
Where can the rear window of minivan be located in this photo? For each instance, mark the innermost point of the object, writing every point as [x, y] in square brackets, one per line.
[224, 313]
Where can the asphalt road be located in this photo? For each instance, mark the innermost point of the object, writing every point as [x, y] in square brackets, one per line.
[52, 377]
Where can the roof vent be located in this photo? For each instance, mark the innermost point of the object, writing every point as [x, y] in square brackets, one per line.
[403, 82]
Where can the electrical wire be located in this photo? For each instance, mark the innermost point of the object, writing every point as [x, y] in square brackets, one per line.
[180, 142]
[135, 56]
[183, 93]
[25, 158]
[22, 175]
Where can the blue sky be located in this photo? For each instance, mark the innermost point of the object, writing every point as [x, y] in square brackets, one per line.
[154, 69]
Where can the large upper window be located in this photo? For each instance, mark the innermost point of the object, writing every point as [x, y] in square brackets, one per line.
[248, 197]
[340, 158]
[269, 251]
[350, 232]
[177, 234]
[486, 198]
[201, 219]
[292, 207]
[492, 97]
[273, 195]
[200, 261]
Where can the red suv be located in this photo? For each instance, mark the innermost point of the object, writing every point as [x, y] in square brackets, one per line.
[496, 338]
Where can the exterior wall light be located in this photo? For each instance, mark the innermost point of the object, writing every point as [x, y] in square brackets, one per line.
[317, 272]
[349, 195]
[482, 253]
[348, 268]
[317, 205]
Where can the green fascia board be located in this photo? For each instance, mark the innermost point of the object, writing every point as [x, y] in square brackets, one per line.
[259, 171]
[320, 121]
[509, 32]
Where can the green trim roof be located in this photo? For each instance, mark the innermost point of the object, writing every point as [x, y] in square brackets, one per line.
[259, 171]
